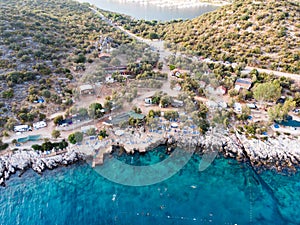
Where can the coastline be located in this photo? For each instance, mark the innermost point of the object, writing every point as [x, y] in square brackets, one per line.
[179, 4]
[276, 153]
[22, 160]
[280, 154]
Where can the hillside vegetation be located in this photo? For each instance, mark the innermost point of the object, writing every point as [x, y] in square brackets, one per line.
[42, 43]
[37, 31]
[260, 33]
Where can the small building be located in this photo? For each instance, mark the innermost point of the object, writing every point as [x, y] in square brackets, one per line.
[104, 56]
[39, 125]
[109, 79]
[234, 65]
[115, 69]
[207, 60]
[178, 72]
[86, 89]
[202, 84]
[148, 101]
[135, 115]
[214, 104]
[177, 87]
[177, 103]
[210, 89]
[251, 106]
[223, 105]
[237, 107]
[123, 117]
[119, 132]
[174, 125]
[243, 83]
[138, 60]
[22, 128]
[221, 90]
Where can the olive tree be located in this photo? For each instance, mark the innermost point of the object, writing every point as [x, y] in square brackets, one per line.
[269, 91]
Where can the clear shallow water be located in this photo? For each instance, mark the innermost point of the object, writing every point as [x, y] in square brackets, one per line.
[150, 12]
[225, 193]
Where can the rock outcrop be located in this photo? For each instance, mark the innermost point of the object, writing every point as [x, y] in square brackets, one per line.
[23, 160]
[280, 153]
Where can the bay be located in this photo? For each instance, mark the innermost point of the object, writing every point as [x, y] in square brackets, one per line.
[151, 12]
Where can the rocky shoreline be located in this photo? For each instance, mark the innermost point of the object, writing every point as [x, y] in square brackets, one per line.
[24, 160]
[281, 153]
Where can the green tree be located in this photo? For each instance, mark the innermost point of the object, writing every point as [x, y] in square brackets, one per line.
[151, 113]
[171, 115]
[46, 93]
[269, 91]
[279, 112]
[14, 141]
[136, 109]
[233, 92]
[82, 112]
[36, 147]
[55, 134]
[165, 101]
[153, 36]
[76, 137]
[58, 119]
[95, 110]
[80, 58]
[10, 124]
[172, 67]
[3, 146]
[103, 133]
[160, 65]
[91, 132]
[203, 110]
[46, 146]
[131, 121]
[297, 99]
[246, 112]
[63, 144]
[108, 105]
[202, 123]
[8, 93]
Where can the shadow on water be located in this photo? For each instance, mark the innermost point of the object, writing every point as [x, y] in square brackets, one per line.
[253, 180]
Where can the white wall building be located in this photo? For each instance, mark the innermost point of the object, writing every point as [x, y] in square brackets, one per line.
[39, 125]
[22, 128]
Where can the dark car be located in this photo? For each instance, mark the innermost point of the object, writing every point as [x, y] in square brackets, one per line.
[280, 101]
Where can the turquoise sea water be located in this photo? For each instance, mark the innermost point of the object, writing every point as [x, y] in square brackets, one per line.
[225, 193]
[149, 11]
